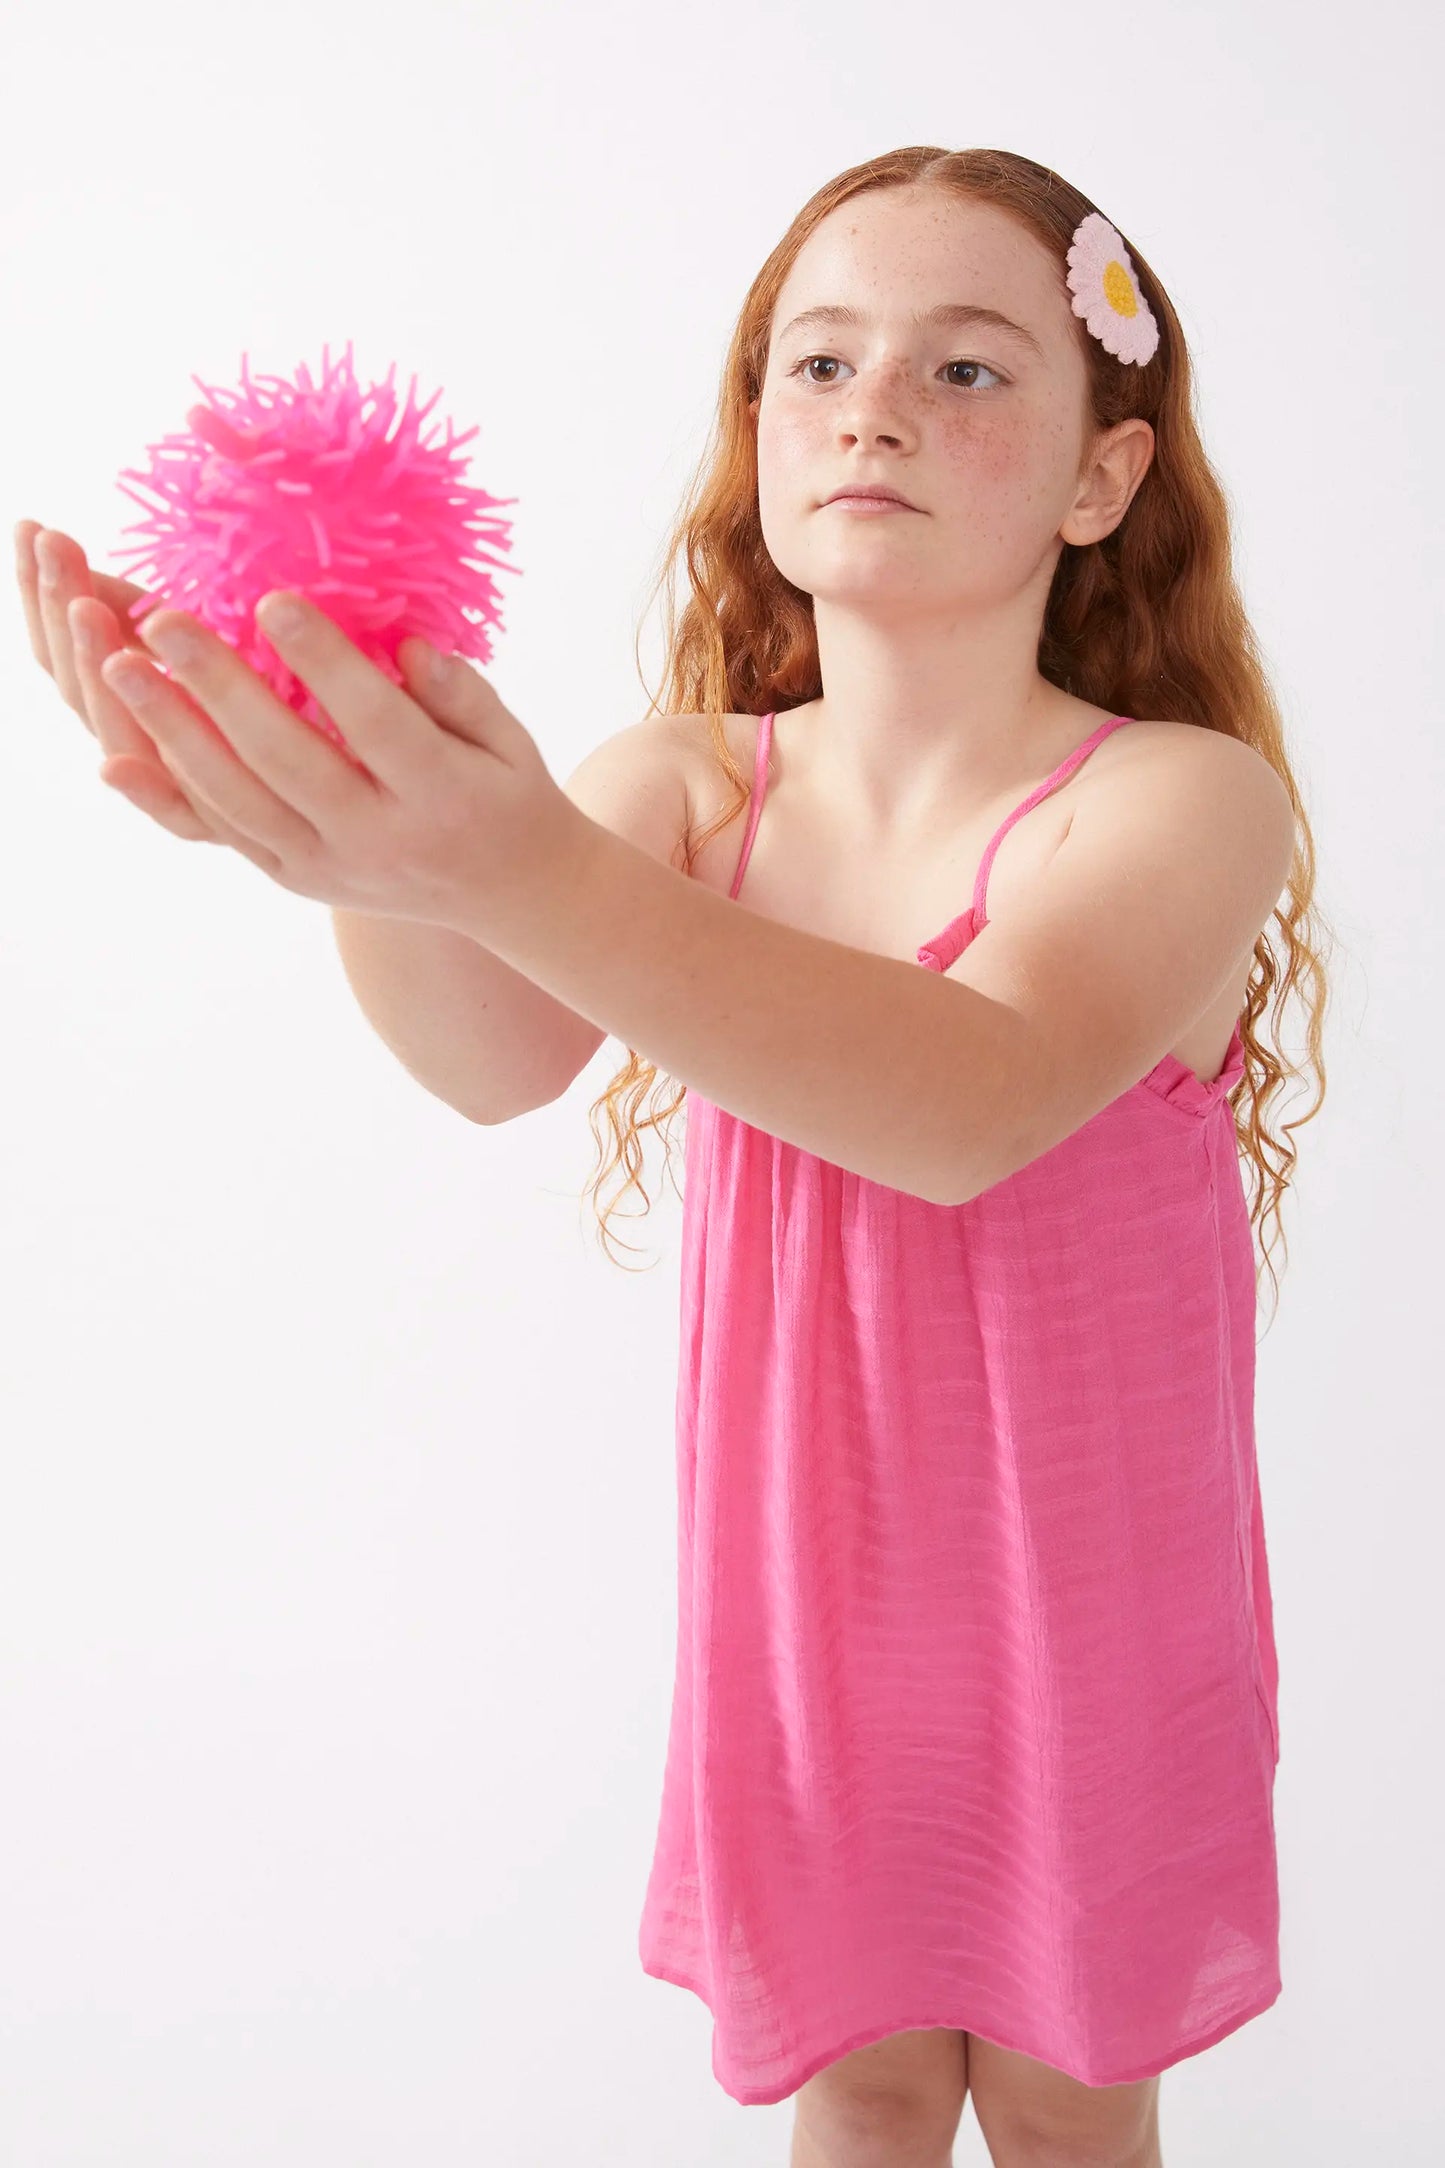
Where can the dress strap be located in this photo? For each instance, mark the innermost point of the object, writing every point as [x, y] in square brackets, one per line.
[760, 784]
[946, 946]
[1060, 775]
[972, 920]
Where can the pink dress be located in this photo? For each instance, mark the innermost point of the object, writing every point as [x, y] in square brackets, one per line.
[974, 1719]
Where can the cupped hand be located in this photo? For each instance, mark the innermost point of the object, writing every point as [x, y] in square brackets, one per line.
[441, 798]
[76, 617]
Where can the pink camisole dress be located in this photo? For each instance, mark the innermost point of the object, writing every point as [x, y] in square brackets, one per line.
[974, 1716]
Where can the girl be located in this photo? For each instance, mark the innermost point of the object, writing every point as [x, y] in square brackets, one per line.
[969, 1785]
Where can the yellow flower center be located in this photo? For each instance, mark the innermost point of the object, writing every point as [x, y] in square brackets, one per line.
[1119, 289]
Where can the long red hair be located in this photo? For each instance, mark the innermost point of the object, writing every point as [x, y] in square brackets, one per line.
[1148, 621]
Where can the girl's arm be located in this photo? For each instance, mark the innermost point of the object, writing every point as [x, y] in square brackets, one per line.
[940, 1085]
[470, 1028]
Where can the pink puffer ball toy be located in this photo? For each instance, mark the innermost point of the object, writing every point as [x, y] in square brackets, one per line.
[302, 487]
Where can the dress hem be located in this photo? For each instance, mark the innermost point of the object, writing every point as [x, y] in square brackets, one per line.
[753, 2097]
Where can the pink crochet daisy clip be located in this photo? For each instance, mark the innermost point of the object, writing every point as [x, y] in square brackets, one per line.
[1106, 291]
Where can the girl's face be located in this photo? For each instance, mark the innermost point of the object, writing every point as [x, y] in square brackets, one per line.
[982, 428]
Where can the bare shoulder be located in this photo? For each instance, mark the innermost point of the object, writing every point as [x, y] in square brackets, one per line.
[1217, 791]
[658, 781]
[707, 787]
[695, 731]
[1229, 764]
[637, 783]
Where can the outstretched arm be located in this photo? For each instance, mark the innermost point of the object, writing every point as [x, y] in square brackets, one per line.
[938, 1085]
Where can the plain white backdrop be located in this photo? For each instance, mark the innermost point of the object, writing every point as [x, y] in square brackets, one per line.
[337, 1528]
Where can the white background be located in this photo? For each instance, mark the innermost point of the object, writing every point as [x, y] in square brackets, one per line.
[336, 1541]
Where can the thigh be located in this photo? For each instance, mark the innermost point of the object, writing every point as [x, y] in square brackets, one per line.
[1030, 2113]
[914, 2083]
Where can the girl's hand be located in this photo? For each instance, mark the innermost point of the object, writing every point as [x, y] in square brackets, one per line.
[443, 799]
[76, 618]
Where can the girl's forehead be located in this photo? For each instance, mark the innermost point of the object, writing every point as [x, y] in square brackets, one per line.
[932, 229]
[977, 259]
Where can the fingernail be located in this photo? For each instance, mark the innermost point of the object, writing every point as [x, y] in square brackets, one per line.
[281, 613]
[173, 641]
[49, 558]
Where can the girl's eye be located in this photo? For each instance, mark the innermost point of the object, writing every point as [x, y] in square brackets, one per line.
[808, 359]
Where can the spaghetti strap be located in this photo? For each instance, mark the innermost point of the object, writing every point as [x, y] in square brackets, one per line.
[760, 784]
[947, 946]
[941, 951]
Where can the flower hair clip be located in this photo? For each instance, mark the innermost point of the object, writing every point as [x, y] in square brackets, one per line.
[1106, 291]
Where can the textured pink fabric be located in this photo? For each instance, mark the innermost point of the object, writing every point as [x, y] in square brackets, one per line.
[975, 1709]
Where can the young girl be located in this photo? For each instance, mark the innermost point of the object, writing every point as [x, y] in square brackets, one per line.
[970, 1775]
[969, 1783]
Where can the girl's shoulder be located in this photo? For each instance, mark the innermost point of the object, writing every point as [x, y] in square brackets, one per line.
[707, 786]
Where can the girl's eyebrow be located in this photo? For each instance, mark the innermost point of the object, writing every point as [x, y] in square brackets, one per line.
[959, 315]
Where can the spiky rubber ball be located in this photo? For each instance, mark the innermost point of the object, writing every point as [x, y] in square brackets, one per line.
[289, 483]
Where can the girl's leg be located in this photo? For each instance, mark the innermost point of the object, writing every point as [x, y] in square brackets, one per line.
[896, 2103]
[1033, 2116]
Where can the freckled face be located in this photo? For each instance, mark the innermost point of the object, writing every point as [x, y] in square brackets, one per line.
[980, 432]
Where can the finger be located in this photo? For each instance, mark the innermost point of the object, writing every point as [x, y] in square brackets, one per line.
[95, 636]
[147, 786]
[296, 766]
[61, 573]
[120, 598]
[27, 573]
[218, 784]
[139, 782]
[392, 738]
